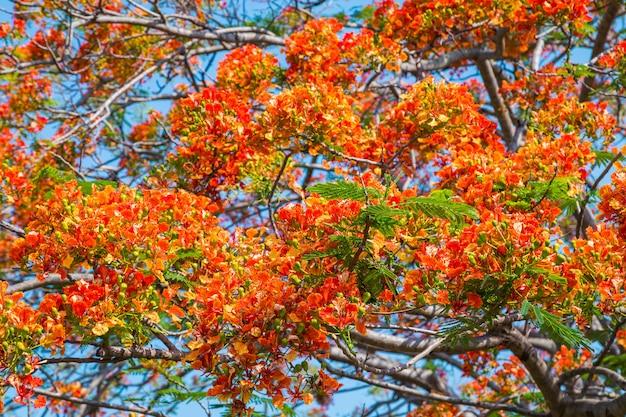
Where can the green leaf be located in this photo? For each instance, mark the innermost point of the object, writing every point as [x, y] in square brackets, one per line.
[342, 190]
[552, 326]
[525, 308]
[50, 172]
[556, 189]
[603, 158]
[444, 194]
[440, 208]
[383, 211]
[176, 277]
[176, 395]
[549, 275]
[579, 70]
[459, 330]
[321, 254]
[538, 315]
[192, 253]
[87, 186]
[383, 218]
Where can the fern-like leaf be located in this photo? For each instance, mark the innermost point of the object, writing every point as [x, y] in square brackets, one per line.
[342, 190]
[441, 208]
[552, 326]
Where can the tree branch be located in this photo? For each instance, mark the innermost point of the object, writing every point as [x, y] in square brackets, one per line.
[396, 344]
[434, 397]
[363, 363]
[99, 404]
[139, 352]
[594, 370]
[424, 378]
[51, 279]
[237, 35]
[11, 228]
[500, 108]
[602, 32]
[536, 366]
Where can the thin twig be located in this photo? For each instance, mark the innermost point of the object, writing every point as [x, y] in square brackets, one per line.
[273, 190]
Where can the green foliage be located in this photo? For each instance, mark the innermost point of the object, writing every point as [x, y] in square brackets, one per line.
[579, 70]
[175, 395]
[87, 186]
[356, 251]
[260, 403]
[551, 276]
[603, 158]
[52, 173]
[383, 218]
[178, 278]
[189, 254]
[555, 189]
[61, 177]
[615, 362]
[459, 330]
[342, 190]
[552, 326]
[443, 208]
[365, 14]
[437, 205]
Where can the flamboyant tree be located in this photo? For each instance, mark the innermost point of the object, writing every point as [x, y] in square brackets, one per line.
[246, 203]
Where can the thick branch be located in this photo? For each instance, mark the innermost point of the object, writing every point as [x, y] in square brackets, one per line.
[423, 378]
[138, 352]
[51, 279]
[446, 60]
[11, 228]
[602, 32]
[397, 344]
[497, 102]
[595, 370]
[536, 366]
[594, 408]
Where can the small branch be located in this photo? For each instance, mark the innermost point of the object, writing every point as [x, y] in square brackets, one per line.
[434, 397]
[54, 361]
[11, 228]
[99, 404]
[238, 35]
[159, 333]
[582, 212]
[352, 158]
[426, 378]
[273, 190]
[545, 194]
[403, 328]
[51, 279]
[70, 166]
[104, 110]
[138, 352]
[362, 245]
[537, 53]
[609, 342]
[385, 371]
